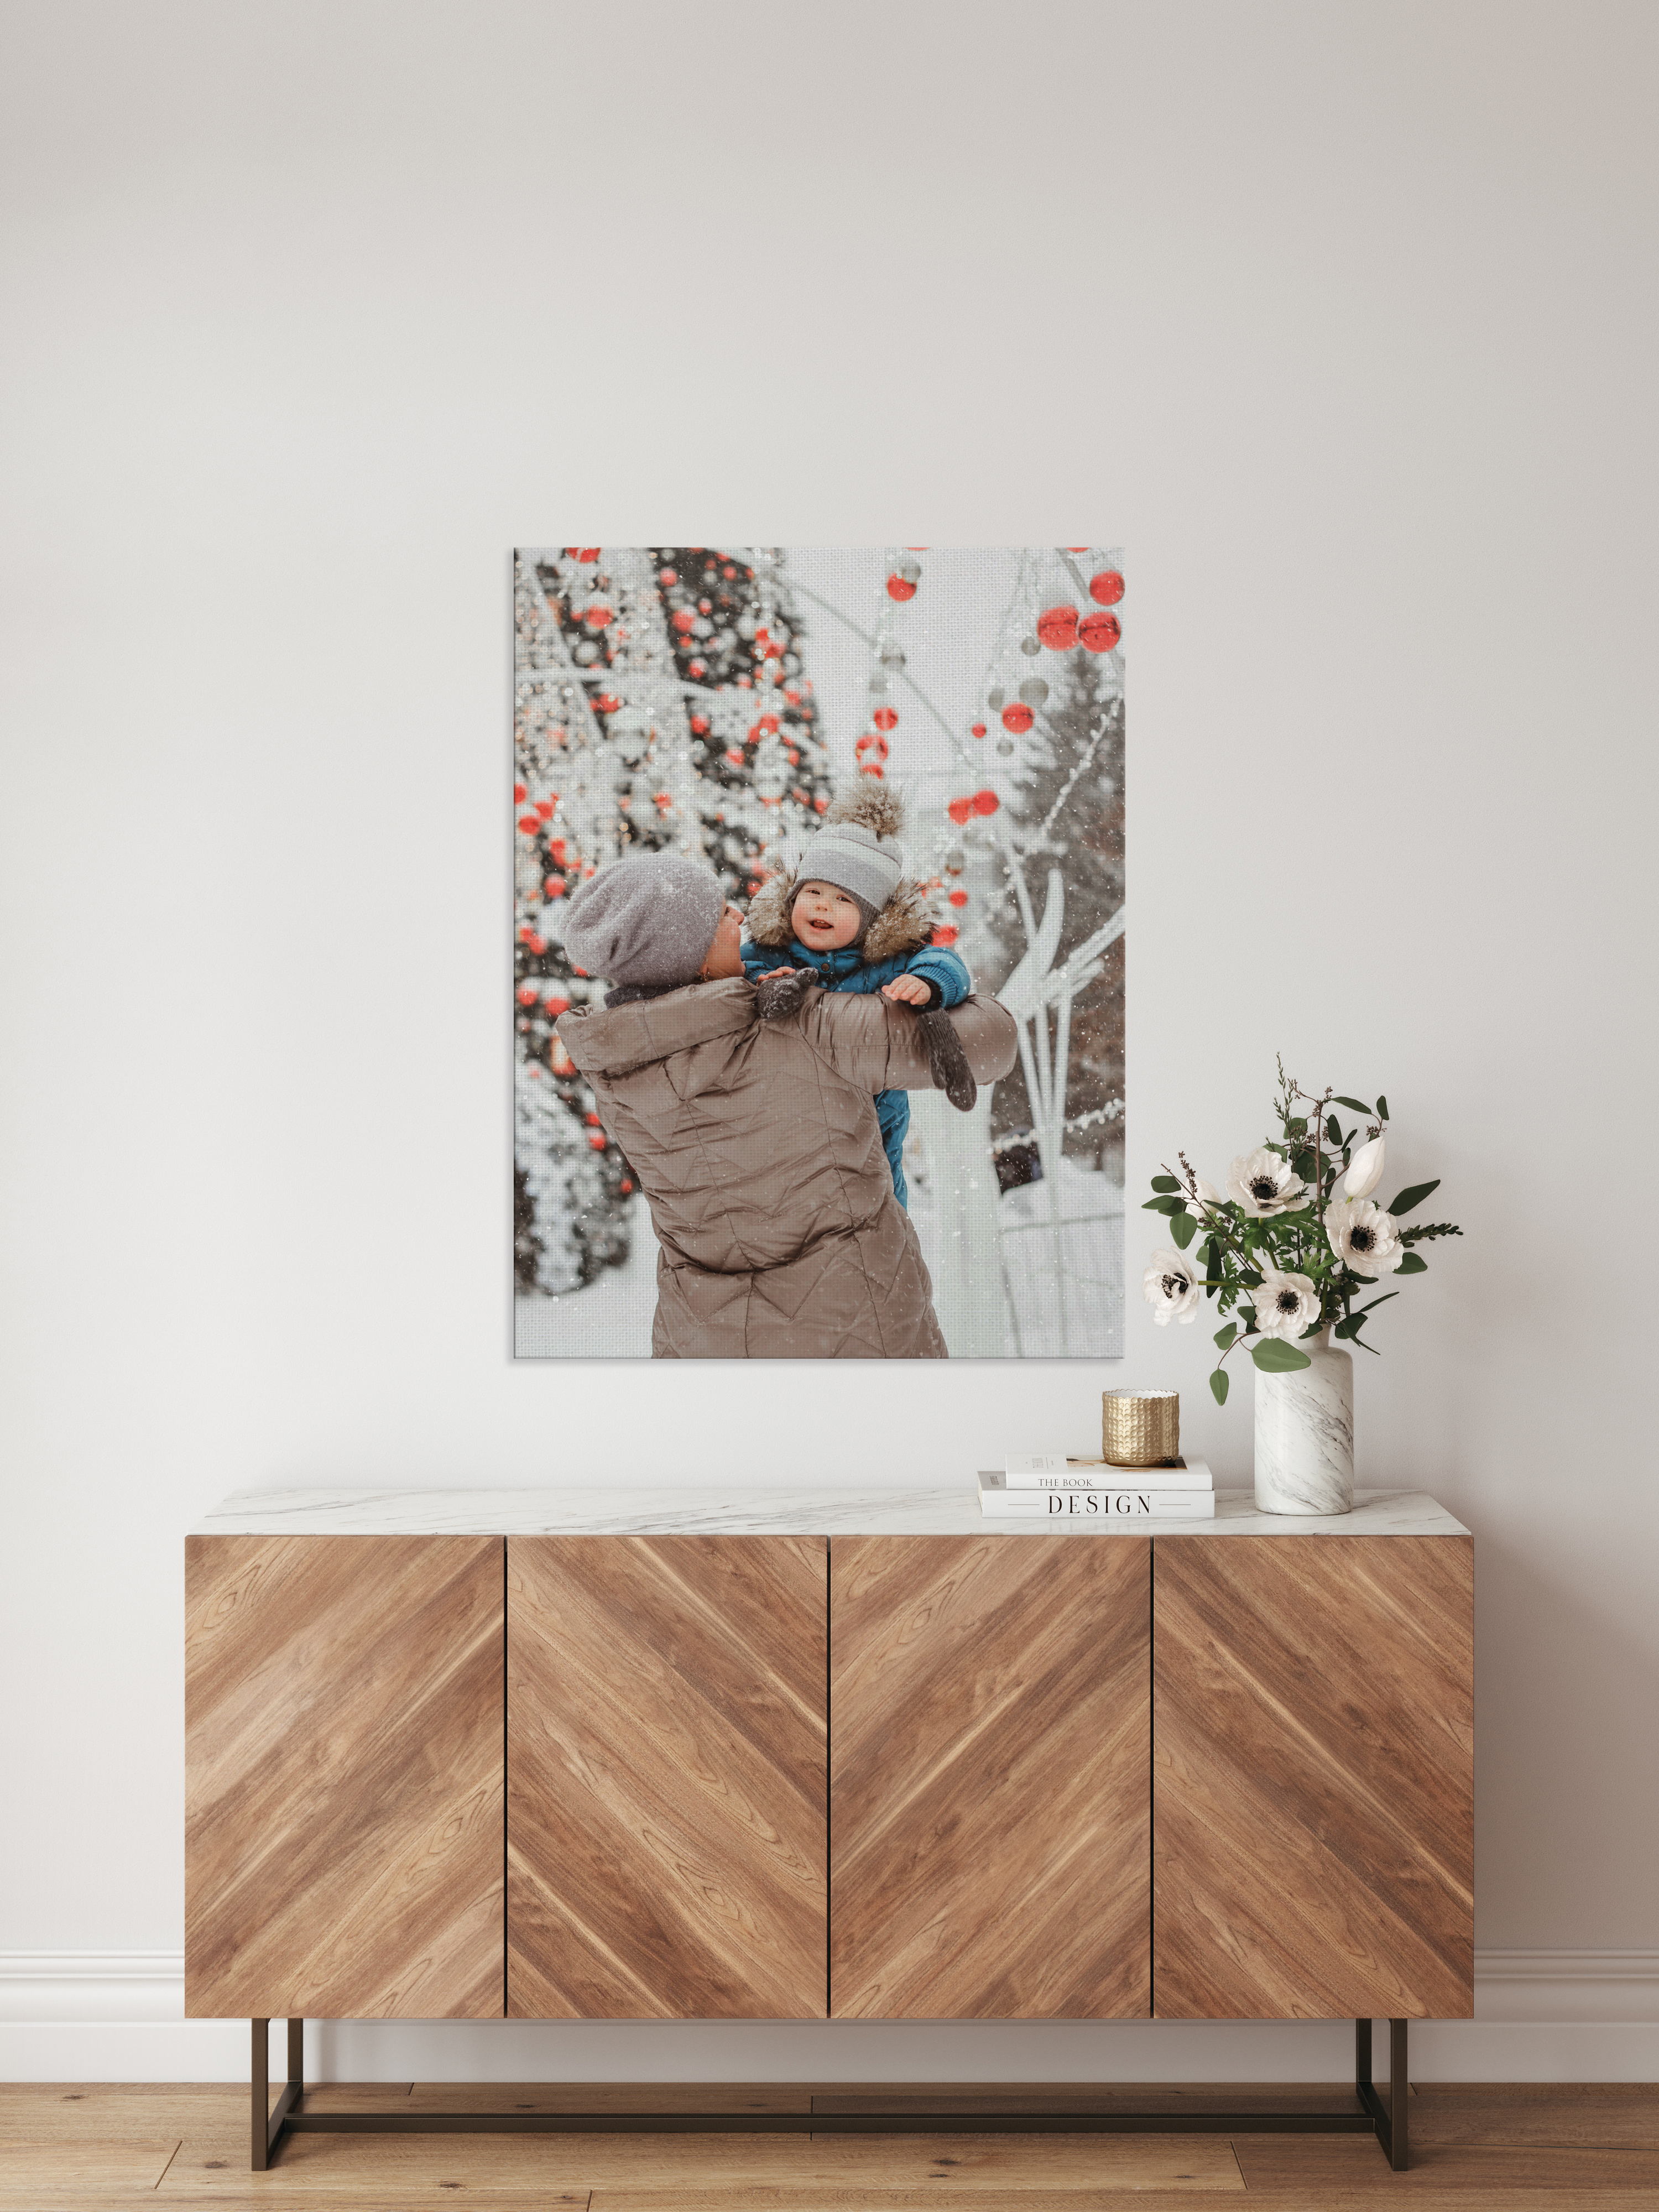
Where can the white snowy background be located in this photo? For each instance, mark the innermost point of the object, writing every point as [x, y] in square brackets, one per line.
[947, 687]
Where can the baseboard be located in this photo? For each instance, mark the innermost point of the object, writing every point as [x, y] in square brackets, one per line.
[118, 2016]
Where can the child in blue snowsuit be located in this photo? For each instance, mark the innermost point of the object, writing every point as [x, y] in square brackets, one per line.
[850, 921]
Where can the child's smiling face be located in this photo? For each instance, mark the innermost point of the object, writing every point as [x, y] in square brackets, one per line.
[824, 917]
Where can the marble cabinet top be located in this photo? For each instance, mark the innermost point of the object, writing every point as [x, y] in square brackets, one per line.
[646, 1508]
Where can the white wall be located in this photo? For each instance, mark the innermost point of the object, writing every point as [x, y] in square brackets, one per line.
[1340, 318]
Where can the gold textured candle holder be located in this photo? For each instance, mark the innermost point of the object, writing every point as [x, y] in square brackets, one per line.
[1139, 1428]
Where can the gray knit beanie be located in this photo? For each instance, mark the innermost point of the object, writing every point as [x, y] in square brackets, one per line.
[649, 918]
[854, 859]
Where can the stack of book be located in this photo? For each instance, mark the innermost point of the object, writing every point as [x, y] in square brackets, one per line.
[1065, 1491]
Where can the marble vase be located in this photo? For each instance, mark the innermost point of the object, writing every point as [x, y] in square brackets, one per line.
[1304, 1434]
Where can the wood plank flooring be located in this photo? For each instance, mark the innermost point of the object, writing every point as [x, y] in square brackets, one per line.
[1476, 2148]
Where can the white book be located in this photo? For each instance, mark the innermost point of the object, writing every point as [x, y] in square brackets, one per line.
[1071, 1508]
[1047, 1471]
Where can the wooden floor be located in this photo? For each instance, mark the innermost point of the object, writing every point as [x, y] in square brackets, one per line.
[98, 2148]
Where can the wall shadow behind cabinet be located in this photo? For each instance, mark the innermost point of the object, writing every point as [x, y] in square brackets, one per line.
[989, 1808]
[343, 1703]
[666, 1776]
[1313, 1778]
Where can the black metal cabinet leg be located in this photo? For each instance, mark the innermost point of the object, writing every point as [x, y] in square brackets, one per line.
[269, 2128]
[261, 2113]
[1400, 2097]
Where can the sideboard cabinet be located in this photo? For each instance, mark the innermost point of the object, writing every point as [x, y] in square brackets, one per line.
[449, 1757]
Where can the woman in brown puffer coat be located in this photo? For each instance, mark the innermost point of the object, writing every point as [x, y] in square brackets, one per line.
[756, 1141]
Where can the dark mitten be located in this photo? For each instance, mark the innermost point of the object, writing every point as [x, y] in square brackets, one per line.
[777, 997]
[947, 1060]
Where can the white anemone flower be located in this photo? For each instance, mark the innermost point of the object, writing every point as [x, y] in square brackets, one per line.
[1171, 1288]
[1263, 1184]
[1364, 1170]
[1285, 1304]
[1363, 1236]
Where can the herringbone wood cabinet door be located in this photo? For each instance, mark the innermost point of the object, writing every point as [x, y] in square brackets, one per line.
[990, 1701]
[1313, 1778]
[666, 1776]
[343, 1772]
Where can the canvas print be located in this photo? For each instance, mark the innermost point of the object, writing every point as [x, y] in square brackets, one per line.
[904, 766]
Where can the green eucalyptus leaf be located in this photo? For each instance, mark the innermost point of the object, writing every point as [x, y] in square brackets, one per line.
[1382, 1109]
[1356, 1106]
[1333, 1129]
[1184, 1227]
[1274, 1357]
[1164, 1182]
[1351, 1326]
[1413, 1264]
[1223, 1337]
[1161, 1206]
[1414, 1196]
[1218, 1382]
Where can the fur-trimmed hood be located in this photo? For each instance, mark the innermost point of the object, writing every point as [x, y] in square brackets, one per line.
[904, 924]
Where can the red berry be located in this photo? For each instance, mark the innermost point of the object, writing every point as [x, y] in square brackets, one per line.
[544, 807]
[530, 823]
[597, 617]
[667, 579]
[520, 792]
[958, 898]
[597, 1141]
[944, 935]
[555, 847]
[526, 994]
[960, 809]
[1057, 628]
[734, 753]
[588, 554]
[554, 887]
[1107, 588]
[1018, 719]
[1100, 632]
[555, 1005]
[979, 729]
[885, 719]
[538, 945]
[986, 802]
[700, 725]
[699, 670]
[820, 803]
[900, 587]
[872, 767]
[683, 618]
